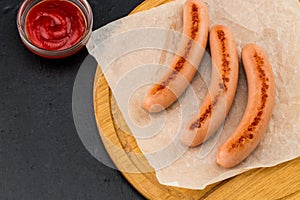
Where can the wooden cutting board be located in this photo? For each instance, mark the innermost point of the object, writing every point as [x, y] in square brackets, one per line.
[280, 182]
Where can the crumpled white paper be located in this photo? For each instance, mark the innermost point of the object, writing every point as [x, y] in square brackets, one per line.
[135, 51]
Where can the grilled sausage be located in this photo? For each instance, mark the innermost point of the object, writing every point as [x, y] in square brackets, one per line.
[222, 89]
[184, 65]
[261, 95]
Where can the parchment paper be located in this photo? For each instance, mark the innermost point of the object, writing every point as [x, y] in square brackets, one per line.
[135, 51]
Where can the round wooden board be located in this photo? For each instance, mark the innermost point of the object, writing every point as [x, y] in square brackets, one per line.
[280, 182]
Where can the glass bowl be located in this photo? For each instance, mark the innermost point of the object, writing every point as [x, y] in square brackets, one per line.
[26, 6]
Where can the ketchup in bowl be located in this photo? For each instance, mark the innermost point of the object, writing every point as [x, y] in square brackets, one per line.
[55, 24]
[55, 28]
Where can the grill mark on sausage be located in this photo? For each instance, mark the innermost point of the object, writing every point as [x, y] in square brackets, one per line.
[247, 135]
[181, 61]
[204, 116]
[225, 62]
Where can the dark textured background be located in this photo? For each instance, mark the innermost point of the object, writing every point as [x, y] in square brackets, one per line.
[41, 155]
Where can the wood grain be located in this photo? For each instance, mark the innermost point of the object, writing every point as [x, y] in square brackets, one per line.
[280, 182]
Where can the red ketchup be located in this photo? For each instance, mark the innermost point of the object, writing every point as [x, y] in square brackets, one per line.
[55, 24]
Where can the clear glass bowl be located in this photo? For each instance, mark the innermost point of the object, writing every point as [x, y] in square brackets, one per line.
[21, 19]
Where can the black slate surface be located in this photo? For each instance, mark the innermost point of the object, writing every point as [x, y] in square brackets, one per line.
[41, 155]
